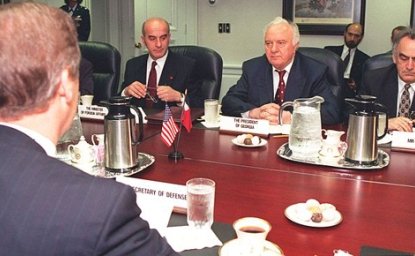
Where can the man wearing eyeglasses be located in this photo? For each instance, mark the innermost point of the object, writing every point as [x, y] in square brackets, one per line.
[282, 74]
[161, 75]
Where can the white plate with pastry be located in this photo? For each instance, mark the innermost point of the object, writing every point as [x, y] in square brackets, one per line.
[249, 141]
[314, 214]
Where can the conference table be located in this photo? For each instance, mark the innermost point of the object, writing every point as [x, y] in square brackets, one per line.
[377, 206]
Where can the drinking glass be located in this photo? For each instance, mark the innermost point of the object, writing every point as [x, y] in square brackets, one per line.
[211, 111]
[200, 202]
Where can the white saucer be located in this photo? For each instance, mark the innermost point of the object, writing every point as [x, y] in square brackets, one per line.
[232, 248]
[216, 125]
[291, 214]
[261, 144]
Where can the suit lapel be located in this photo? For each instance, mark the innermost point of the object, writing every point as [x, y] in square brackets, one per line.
[169, 71]
[294, 81]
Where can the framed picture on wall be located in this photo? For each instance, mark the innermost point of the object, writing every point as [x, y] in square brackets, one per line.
[324, 17]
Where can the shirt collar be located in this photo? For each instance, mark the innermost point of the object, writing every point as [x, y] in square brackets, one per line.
[44, 142]
[160, 62]
[287, 68]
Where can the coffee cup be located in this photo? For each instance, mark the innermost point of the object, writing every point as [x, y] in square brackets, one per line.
[252, 232]
[86, 100]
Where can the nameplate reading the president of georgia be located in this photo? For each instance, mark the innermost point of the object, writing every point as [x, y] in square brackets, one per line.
[244, 125]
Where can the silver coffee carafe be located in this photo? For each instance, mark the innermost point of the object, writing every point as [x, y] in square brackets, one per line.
[362, 131]
[122, 135]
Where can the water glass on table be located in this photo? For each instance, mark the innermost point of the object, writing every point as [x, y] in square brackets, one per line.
[211, 111]
[200, 202]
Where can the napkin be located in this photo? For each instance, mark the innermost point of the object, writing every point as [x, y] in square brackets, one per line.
[183, 238]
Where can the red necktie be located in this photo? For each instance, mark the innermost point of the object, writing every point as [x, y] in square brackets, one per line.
[279, 96]
[152, 84]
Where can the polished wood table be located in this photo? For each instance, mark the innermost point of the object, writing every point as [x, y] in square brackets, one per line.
[377, 206]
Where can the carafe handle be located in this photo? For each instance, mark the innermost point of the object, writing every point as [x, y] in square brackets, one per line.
[383, 111]
[140, 125]
[283, 106]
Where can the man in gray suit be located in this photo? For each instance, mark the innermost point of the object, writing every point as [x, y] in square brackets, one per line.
[46, 206]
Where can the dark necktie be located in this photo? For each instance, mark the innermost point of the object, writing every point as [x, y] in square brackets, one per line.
[405, 102]
[346, 59]
[152, 85]
[279, 95]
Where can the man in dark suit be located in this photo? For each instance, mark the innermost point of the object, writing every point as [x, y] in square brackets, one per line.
[81, 17]
[353, 58]
[256, 92]
[47, 206]
[173, 71]
[388, 84]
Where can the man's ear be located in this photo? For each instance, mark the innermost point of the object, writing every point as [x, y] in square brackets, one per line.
[66, 87]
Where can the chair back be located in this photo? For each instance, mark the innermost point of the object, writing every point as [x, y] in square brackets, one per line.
[106, 60]
[377, 61]
[207, 72]
[333, 62]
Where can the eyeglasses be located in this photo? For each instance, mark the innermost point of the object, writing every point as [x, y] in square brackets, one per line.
[151, 97]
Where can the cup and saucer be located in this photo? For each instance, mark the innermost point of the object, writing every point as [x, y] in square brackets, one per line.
[236, 247]
[251, 241]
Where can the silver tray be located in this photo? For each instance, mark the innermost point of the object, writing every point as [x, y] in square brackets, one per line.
[144, 161]
[338, 162]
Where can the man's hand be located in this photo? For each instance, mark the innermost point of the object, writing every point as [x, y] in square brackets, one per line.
[136, 89]
[402, 124]
[270, 112]
[166, 93]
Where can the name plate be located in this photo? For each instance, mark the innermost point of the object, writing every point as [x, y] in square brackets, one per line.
[159, 190]
[98, 113]
[403, 140]
[92, 112]
[244, 125]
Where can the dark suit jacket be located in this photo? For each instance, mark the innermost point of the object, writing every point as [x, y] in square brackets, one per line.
[383, 83]
[357, 67]
[176, 73]
[51, 208]
[86, 79]
[307, 78]
[84, 27]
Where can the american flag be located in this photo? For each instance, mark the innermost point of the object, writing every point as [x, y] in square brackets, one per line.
[169, 129]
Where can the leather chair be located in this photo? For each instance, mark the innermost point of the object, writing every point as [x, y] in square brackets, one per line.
[378, 61]
[334, 63]
[106, 60]
[207, 71]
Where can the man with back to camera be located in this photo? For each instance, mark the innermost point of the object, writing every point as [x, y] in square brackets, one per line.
[172, 71]
[352, 57]
[394, 85]
[47, 206]
[257, 93]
